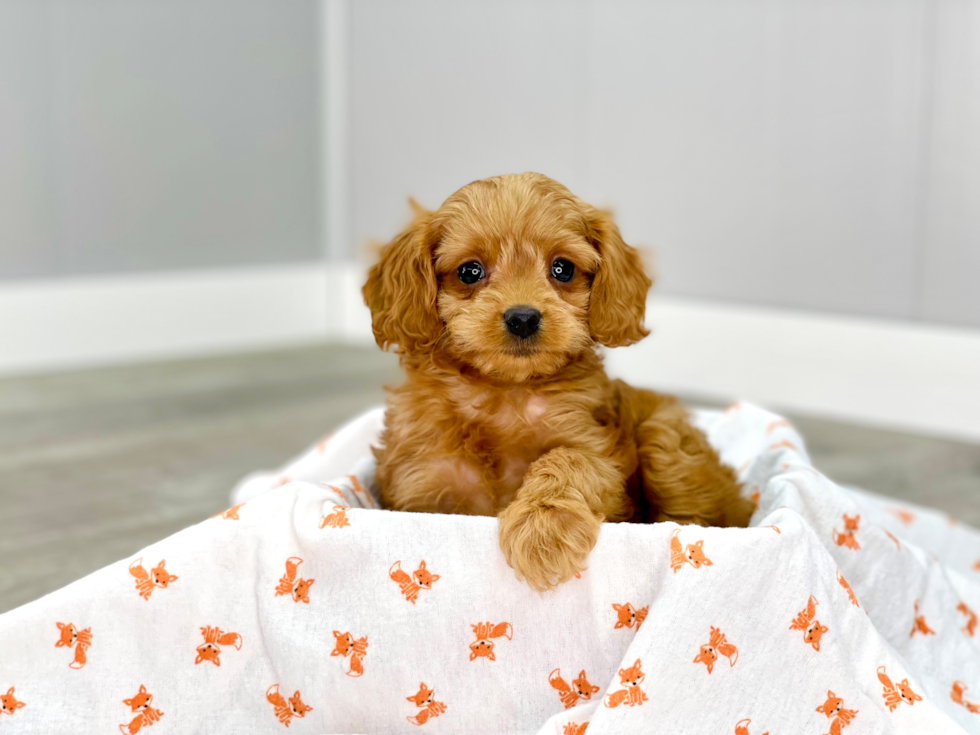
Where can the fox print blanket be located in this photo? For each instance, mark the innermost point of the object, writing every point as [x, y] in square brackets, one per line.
[304, 607]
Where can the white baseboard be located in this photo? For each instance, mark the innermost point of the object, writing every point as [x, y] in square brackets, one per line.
[922, 378]
[917, 377]
[82, 321]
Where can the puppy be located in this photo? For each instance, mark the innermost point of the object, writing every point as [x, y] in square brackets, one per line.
[497, 303]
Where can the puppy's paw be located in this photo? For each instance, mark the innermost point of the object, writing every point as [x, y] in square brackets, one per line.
[547, 541]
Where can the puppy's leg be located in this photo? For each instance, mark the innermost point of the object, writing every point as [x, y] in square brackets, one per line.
[683, 478]
[553, 523]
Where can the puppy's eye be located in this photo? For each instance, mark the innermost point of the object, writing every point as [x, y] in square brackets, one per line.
[470, 273]
[562, 270]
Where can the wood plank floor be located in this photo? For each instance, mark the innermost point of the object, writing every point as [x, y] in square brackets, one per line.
[96, 464]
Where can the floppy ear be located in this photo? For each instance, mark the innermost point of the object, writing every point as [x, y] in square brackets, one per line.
[619, 287]
[401, 290]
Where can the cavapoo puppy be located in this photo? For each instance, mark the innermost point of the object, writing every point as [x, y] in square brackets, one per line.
[497, 302]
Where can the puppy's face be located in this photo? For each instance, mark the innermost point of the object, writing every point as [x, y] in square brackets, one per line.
[513, 276]
[514, 285]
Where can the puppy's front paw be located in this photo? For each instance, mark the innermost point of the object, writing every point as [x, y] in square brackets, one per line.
[547, 541]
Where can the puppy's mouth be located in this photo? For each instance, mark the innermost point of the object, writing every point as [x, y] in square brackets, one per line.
[522, 347]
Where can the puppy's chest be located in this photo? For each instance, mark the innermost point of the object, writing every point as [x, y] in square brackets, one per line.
[521, 425]
[508, 438]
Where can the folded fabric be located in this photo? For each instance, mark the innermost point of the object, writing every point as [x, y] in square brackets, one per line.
[306, 607]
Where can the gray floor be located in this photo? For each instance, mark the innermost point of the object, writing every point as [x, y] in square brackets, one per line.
[96, 464]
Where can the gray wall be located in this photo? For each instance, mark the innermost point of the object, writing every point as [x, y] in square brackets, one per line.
[822, 154]
[816, 154]
[146, 136]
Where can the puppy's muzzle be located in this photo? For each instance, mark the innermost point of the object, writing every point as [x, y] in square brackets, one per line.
[522, 321]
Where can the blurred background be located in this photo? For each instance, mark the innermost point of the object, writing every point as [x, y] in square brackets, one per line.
[187, 190]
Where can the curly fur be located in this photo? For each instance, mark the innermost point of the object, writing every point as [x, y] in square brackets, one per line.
[530, 430]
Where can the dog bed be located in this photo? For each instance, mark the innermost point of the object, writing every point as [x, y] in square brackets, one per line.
[305, 607]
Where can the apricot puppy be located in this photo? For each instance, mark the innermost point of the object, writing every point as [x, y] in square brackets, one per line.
[498, 302]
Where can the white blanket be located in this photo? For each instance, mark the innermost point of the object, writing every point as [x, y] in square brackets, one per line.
[307, 608]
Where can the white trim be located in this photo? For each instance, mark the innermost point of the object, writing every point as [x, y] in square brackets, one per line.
[335, 126]
[923, 378]
[79, 321]
[350, 320]
[912, 376]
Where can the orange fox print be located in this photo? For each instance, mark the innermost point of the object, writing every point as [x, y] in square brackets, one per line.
[889, 534]
[895, 694]
[628, 617]
[630, 695]
[903, 515]
[482, 647]
[847, 588]
[80, 639]
[784, 444]
[971, 619]
[290, 584]
[959, 689]
[919, 625]
[421, 579]
[581, 688]
[359, 490]
[806, 621]
[231, 514]
[834, 709]
[846, 538]
[692, 554]
[145, 714]
[426, 701]
[345, 645]
[776, 425]
[337, 519]
[9, 703]
[716, 646]
[742, 727]
[214, 638]
[147, 581]
[574, 728]
[285, 710]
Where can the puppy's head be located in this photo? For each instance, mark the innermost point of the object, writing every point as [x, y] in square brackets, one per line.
[513, 276]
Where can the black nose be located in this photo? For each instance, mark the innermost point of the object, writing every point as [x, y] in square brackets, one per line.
[522, 321]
